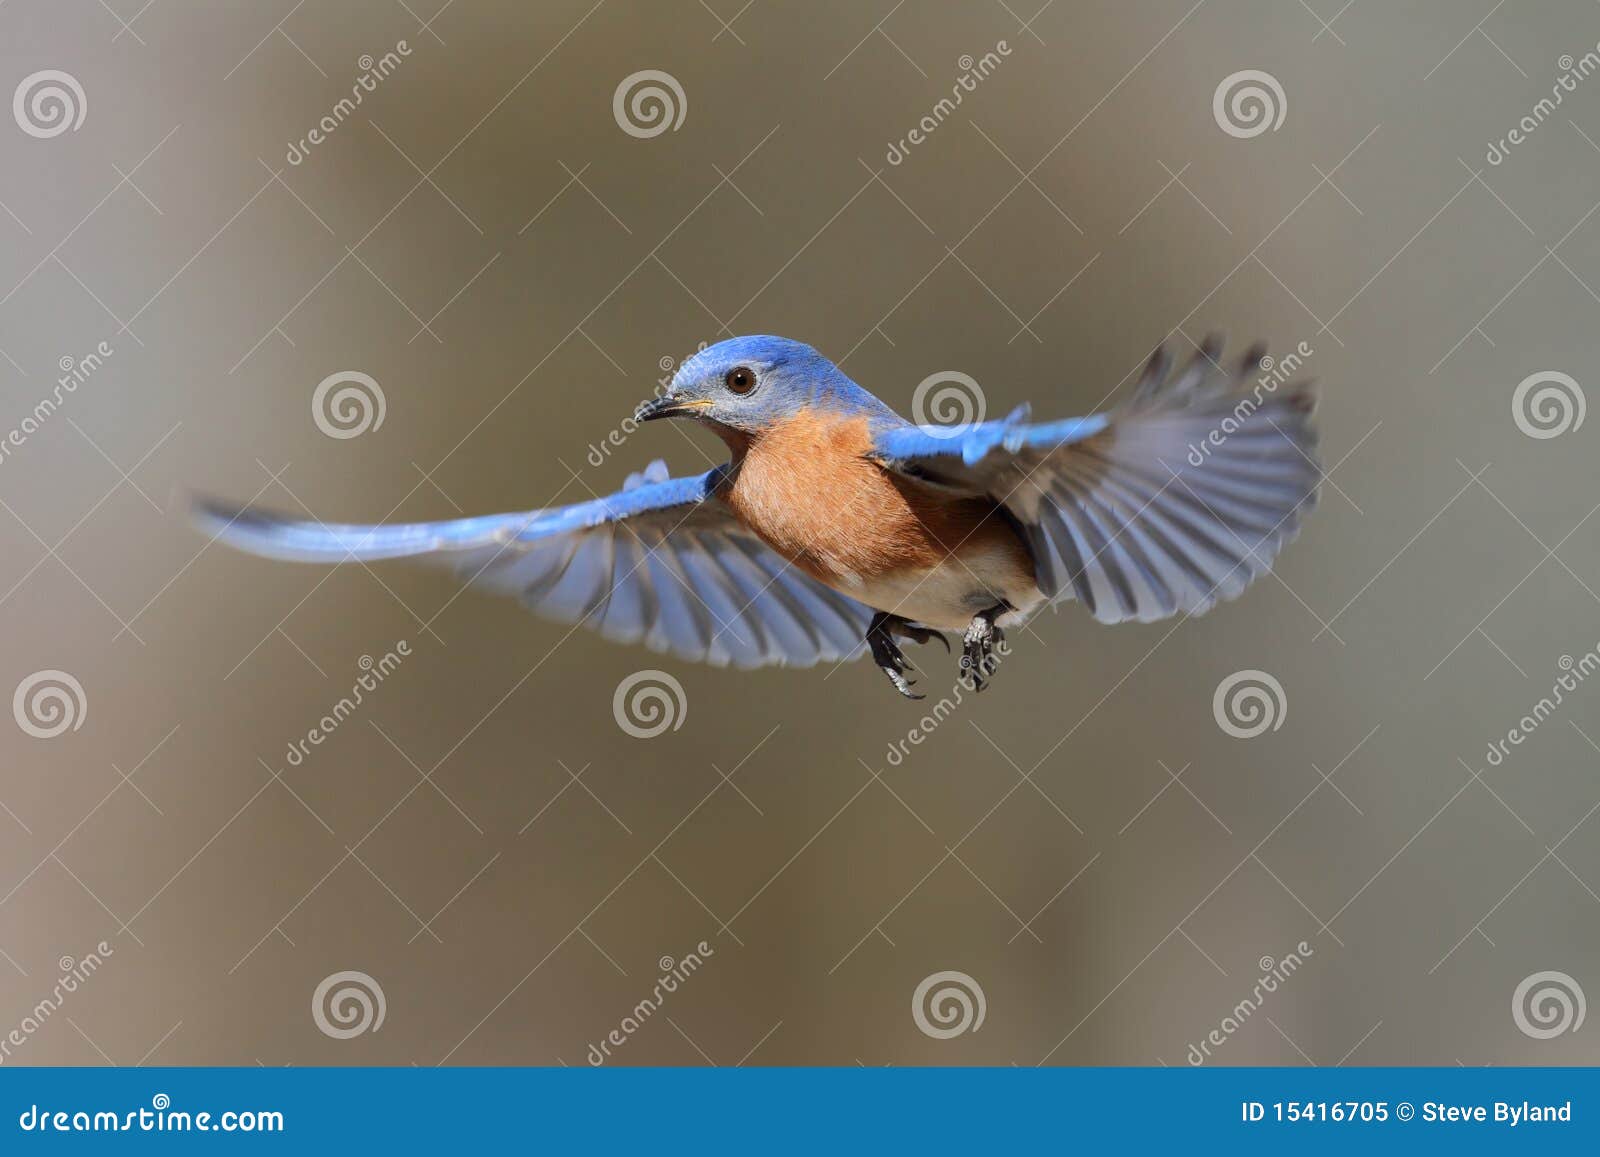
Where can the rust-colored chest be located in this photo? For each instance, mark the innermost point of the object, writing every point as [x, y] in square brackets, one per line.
[808, 490]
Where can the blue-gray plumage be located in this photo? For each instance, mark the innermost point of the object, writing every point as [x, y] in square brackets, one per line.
[837, 526]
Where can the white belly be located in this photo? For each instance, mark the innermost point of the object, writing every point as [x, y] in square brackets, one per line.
[946, 596]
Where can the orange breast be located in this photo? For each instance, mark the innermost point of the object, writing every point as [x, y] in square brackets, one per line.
[808, 490]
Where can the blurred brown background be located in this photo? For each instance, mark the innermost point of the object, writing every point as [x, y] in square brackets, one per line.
[484, 239]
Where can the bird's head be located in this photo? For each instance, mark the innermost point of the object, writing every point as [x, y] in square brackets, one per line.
[746, 385]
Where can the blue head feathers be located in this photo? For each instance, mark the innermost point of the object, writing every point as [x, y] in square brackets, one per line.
[750, 383]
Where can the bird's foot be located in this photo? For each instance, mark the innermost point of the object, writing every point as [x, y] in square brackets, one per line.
[887, 653]
[918, 634]
[978, 658]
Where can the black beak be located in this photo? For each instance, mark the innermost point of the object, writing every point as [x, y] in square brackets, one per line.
[665, 408]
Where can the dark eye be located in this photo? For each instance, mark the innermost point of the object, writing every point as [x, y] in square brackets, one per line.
[740, 380]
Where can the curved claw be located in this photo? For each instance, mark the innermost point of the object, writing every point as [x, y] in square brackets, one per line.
[891, 660]
[978, 648]
[922, 635]
[902, 684]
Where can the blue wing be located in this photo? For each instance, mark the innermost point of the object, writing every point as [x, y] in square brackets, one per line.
[1166, 505]
[659, 562]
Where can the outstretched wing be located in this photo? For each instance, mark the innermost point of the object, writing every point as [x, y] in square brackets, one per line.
[660, 562]
[1170, 503]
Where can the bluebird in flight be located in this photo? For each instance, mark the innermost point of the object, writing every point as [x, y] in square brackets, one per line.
[837, 527]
